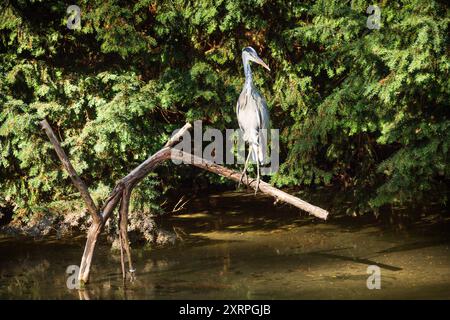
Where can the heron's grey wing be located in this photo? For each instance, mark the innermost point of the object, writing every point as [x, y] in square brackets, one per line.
[265, 127]
[263, 120]
[264, 113]
[237, 113]
[262, 110]
[241, 103]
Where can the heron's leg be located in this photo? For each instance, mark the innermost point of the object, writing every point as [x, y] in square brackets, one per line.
[244, 172]
[257, 176]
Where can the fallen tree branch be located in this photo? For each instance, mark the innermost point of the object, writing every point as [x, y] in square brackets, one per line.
[79, 184]
[263, 186]
[124, 187]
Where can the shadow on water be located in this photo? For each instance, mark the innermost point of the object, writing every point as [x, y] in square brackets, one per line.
[226, 213]
[235, 246]
[367, 262]
[415, 246]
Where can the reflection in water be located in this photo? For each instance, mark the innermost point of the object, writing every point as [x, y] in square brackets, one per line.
[241, 248]
[84, 294]
[26, 278]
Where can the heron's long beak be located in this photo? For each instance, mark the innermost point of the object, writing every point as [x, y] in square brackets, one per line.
[259, 61]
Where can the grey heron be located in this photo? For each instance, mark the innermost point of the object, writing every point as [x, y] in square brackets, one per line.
[252, 115]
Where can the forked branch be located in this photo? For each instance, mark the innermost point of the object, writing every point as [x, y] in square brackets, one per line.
[124, 187]
[79, 184]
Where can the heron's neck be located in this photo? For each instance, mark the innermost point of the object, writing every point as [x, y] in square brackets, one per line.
[248, 73]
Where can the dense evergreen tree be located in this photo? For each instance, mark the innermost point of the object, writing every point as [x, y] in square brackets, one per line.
[361, 108]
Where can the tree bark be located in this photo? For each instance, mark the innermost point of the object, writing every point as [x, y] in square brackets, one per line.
[124, 187]
[85, 266]
[263, 186]
[123, 224]
[79, 184]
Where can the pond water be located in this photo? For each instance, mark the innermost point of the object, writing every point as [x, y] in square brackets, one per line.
[243, 247]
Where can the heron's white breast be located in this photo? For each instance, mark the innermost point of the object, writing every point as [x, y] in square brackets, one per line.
[249, 121]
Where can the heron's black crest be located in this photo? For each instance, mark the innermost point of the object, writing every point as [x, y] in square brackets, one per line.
[250, 50]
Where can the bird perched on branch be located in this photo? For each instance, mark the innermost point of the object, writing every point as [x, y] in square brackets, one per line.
[252, 115]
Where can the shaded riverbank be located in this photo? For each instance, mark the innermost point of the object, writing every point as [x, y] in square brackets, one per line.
[233, 246]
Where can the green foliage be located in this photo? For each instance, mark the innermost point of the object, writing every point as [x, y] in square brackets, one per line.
[373, 106]
[367, 109]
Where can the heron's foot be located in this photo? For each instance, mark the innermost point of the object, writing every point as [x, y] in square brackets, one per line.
[257, 185]
[242, 178]
[132, 275]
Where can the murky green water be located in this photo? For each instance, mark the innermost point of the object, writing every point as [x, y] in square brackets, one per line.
[243, 248]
